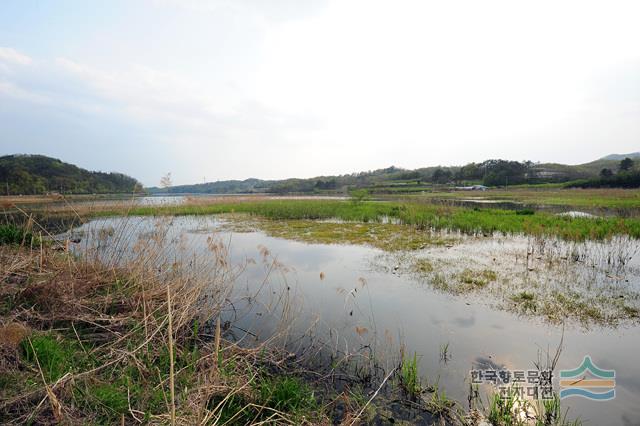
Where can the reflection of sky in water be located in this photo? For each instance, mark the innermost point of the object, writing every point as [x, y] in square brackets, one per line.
[397, 305]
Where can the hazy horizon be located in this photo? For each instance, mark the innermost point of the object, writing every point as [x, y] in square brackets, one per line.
[236, 89]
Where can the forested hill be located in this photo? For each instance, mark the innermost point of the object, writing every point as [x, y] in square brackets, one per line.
[38, 174]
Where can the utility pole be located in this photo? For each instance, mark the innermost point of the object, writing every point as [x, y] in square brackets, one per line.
[7, 182]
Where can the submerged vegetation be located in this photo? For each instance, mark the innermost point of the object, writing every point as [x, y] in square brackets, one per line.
[560, 282]
[385, 236]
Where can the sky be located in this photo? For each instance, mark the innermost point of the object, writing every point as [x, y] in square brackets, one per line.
[231, 89]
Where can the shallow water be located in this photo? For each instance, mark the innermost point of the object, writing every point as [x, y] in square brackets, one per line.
[360, 293]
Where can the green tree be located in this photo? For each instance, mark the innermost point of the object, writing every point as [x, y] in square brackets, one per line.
[470, 171]
[441, 176]
[626, 165]
[606, 173]
[503, 172]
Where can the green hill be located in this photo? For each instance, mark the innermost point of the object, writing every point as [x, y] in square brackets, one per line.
[38, 174]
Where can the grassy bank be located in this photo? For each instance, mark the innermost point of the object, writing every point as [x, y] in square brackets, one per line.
[422, 216]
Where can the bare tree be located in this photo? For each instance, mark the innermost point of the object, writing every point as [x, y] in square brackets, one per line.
[165, 181]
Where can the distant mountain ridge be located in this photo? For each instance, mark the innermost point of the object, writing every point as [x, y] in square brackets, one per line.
[394, 179]
[39, 174]
[620, 157]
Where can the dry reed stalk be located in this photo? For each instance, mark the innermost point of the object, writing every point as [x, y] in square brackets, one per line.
[171, 366]
[144, 311]
[217, 342]
[41, 252]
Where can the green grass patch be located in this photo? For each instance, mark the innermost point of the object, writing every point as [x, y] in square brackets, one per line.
[55, 356]
[409, 376]
[12, 234]
[111, 398]
[287, 394]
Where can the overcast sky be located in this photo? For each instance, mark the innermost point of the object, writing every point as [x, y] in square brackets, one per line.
[273, 89]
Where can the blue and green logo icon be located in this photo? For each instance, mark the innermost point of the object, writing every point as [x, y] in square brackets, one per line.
[588, 381]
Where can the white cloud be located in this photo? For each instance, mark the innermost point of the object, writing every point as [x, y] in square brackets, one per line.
[11, 90]
[148, 94]
[12, 56]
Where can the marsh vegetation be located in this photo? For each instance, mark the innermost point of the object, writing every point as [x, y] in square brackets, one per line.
[301, 311]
